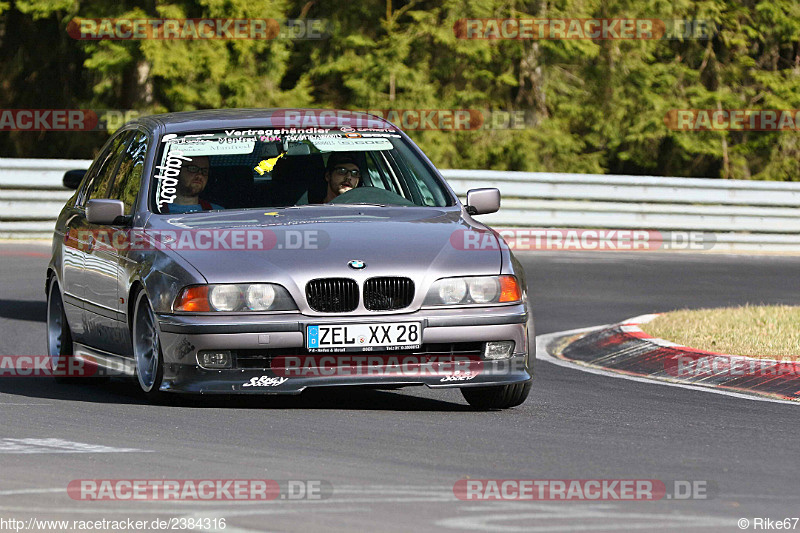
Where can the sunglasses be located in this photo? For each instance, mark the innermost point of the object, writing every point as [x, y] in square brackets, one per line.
[341, 171]
[194, 169]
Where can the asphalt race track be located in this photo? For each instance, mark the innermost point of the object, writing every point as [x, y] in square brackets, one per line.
[392, 457]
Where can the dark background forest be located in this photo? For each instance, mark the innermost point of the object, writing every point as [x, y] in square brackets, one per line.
[590, 106]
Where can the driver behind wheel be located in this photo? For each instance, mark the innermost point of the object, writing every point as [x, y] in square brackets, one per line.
[192, 181]
[342, 174]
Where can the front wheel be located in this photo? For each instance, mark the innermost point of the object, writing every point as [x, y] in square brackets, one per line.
[497, 397]
[146, 346]
[59, 336]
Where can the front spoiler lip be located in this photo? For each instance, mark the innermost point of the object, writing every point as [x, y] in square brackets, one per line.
[194, 379]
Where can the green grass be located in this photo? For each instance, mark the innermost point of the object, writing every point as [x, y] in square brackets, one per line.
[755, 331]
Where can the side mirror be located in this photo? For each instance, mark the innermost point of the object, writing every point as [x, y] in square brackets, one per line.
[104, 211]
[482, 201]
[72, 178]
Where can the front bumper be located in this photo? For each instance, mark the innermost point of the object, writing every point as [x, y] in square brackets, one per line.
[182, 336]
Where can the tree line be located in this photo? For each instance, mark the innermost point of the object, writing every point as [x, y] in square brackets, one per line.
[578, 104]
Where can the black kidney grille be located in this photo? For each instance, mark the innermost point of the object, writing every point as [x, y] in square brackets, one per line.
[388, 294]
[332, 295]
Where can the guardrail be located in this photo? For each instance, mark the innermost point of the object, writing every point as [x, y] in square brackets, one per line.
[31, 195]
[742, 214]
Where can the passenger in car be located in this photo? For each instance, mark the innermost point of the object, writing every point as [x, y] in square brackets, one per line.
[342, 173]
[192, 181]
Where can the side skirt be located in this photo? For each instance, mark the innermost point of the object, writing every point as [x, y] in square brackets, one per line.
[109, 364]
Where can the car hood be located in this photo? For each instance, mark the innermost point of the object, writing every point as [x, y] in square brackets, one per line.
[319, 241]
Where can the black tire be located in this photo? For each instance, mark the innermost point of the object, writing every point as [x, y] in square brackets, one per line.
[59, 336]
[497, 397]
[147, 348]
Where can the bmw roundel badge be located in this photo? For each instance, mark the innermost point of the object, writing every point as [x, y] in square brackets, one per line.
[356, 264]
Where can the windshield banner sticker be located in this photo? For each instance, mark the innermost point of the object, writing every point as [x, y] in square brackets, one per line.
[192, 147]
[345, 145]
[167, 177]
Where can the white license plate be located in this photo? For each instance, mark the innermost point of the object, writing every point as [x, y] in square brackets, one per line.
[363, 337]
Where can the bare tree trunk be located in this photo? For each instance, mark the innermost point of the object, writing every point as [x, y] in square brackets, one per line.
[726, 168]
[531, 95]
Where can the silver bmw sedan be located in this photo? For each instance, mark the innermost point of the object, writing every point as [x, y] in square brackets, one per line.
[259, 251]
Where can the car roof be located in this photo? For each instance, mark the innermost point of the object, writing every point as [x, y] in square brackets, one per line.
[210, 119]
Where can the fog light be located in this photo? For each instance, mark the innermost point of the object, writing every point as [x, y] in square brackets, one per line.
[498, 349]
[214, 359]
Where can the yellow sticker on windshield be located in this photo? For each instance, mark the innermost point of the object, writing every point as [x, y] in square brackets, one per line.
[267, 164]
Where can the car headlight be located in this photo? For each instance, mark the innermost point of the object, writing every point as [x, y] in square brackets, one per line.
[260, 297]
[474, 290]
[229, 297]
[225, 297]
[451, 291]
[484, 290]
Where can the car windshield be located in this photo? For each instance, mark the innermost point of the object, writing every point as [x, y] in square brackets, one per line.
[268, 168]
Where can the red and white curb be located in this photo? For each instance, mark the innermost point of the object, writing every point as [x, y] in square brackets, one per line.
[625, 351]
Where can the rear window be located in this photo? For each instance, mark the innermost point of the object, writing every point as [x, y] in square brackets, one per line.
[268, 168]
